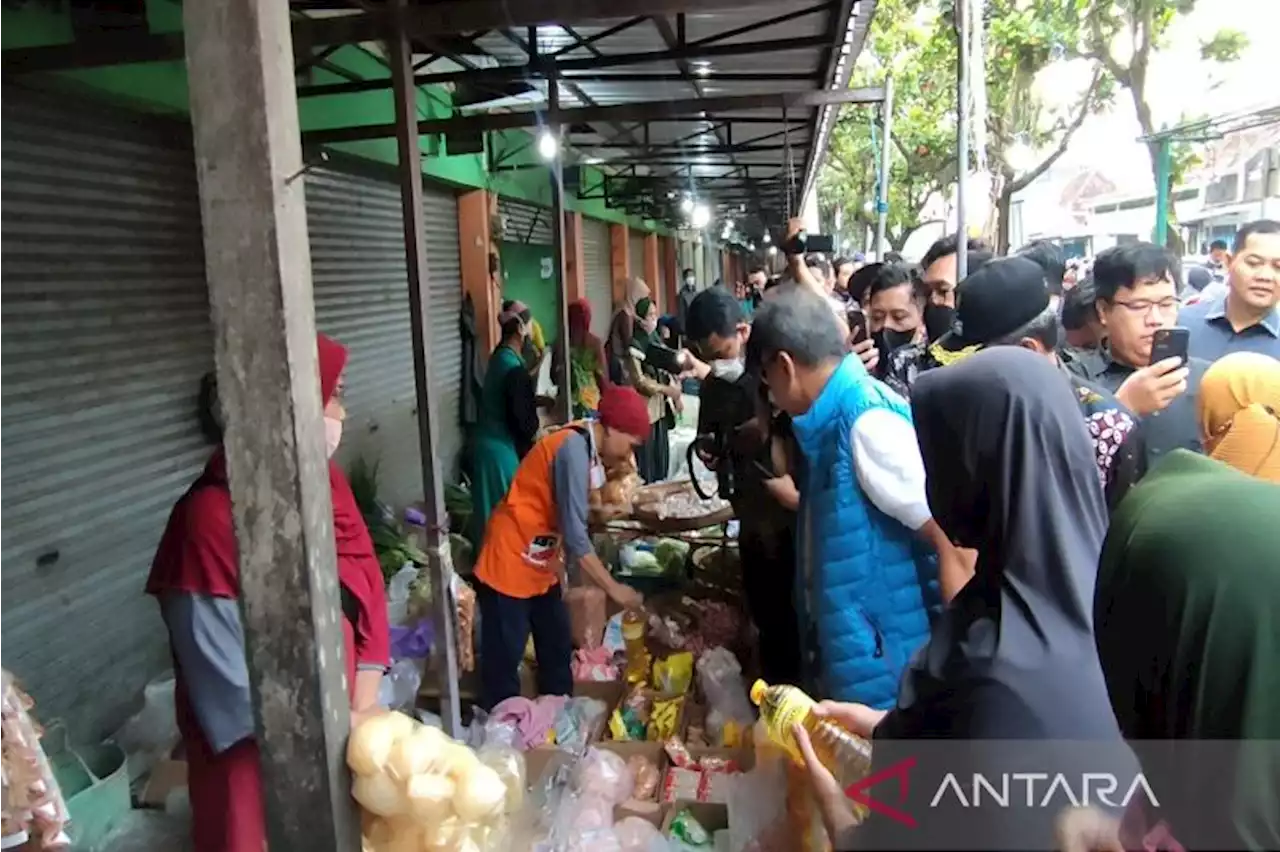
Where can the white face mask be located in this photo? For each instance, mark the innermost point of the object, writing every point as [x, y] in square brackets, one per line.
[689, 281]
[332, 434]
[597, 476]
[728, 369]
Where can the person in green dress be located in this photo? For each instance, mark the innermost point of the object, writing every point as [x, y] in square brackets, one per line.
[508, 423]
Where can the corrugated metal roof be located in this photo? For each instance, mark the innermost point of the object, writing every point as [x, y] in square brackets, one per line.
[756, 142]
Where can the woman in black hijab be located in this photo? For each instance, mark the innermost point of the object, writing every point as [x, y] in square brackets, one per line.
[1011, 474]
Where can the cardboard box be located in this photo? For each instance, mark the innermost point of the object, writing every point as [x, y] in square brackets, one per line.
[710, 816]
[166, 776]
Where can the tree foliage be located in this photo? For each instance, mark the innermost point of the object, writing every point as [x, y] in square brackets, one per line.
[1108, 42]
[1123, 35]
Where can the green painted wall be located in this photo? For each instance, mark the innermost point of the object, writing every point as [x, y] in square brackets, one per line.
[523, 268]
[161, 87]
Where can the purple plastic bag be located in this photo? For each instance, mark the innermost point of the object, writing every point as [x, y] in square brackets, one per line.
[412, 642]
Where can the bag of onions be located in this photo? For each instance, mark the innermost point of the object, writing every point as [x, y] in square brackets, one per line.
[423, 791]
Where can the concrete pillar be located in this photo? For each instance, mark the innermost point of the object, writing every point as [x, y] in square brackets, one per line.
[248, 153]
[477, 252]
[575, 279]
[619, 260]
[651, 267]
[670, 263]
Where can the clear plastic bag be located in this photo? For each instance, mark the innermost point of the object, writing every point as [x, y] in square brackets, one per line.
[603, 774]
[398, 594]
[151, 733]
[720, 676]
[399, 687]
[510, 766]
[638, 835]
[587, 616]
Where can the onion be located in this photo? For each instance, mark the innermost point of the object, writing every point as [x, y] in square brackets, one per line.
[415, 753]
[430, 797]
[379, 794]
[480, 794]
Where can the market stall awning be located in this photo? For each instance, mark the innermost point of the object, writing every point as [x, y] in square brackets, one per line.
[725, 103]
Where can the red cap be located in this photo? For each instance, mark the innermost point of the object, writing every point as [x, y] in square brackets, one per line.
[623, 409]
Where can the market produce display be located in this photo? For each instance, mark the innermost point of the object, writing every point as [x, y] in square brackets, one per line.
[425, 792]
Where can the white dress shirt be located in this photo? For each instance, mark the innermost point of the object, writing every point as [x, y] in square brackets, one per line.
[890, 468]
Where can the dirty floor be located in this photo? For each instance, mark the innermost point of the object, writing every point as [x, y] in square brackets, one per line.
[149, 831]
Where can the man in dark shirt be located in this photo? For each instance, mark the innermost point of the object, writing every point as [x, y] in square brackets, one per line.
[1137, 294]
[736, 445]
[1247, 317]
[1006, 303]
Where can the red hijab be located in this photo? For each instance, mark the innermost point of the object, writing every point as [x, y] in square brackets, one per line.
[579, 322]
[198, 555]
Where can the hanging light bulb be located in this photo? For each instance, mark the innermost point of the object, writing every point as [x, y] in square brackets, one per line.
[767, 239]
[548, 146]
[686, 206]
[773, 250]
[701, 216]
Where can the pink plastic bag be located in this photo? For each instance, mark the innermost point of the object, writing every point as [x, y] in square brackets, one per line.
[586, 615]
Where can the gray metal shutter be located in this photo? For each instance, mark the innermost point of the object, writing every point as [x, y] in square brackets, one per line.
[362, 299]
[444, 260]
[525, 223]
[635, 252]
[106, 334]
[599, 273]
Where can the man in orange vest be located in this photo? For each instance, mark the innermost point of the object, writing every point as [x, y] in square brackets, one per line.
[538, 529]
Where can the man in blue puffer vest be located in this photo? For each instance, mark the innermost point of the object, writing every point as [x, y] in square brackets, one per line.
[866, 530]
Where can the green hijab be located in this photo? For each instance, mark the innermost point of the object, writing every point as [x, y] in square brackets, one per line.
[1187, 620]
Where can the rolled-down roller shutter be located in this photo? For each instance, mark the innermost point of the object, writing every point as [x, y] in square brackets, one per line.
[599, 273]
[362, 299]
[635, 252]
[525, 223]
[106, 334]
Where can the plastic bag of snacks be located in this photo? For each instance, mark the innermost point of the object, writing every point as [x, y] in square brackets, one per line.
[465, 601]
[673, 675]
[604, 774]
[729, 710]
[33, 806]
[587, 616]
[645, 778]
[413, 780]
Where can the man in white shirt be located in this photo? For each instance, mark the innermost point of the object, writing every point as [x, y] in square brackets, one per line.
[874, 554]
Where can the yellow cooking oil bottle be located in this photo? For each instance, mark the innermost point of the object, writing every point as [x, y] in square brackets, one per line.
[634, 629]
[846, 755]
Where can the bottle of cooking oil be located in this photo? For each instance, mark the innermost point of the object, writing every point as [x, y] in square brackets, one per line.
[845, 754]
[634, 630]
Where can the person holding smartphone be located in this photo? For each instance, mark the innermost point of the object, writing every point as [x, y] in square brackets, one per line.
[539, 530]
[1137, 304]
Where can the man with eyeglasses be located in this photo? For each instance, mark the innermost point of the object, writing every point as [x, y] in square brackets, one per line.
[1137, 294]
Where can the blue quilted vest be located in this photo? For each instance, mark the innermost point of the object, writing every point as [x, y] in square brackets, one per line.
[873, 583]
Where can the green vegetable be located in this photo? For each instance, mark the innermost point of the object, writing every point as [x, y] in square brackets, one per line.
[671, 554]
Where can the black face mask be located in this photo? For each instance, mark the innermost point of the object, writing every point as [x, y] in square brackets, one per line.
[887, 340]
[937, 320]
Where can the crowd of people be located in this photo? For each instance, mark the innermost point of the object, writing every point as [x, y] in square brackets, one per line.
[969, 510]
[1006, 521]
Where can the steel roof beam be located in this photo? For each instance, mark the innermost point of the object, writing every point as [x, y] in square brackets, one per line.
[452, 16]
[642, 111]
[309, 34]
[760, 25]
[545, 66]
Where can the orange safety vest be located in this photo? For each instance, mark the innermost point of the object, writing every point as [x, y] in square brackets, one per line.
[519, 557]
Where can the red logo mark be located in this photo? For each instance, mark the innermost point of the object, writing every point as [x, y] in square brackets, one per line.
[858, 792]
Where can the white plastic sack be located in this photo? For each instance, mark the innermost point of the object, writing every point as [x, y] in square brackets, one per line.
[151, 733]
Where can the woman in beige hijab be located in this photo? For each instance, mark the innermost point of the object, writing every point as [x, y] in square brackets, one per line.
[1239, 405]
[622, 329]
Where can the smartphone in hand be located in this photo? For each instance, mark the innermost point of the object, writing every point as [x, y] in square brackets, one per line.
[858, 328]
[1170, 343]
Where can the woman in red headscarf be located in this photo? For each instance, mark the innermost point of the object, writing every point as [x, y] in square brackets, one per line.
[588, 375]
[196, 579]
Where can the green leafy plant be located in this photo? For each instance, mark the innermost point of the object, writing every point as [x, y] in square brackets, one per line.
[392, 544]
